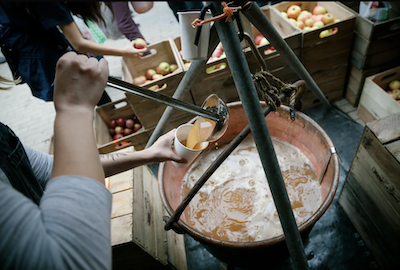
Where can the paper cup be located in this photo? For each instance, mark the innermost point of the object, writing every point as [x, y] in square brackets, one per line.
[181, 135]
[188, 33]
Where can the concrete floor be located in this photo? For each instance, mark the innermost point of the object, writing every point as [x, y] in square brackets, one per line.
[333, 242]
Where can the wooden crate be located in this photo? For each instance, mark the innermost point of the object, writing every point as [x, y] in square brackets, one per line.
[356, 78]
[326, 59]
[149, 112]
[375, 103]
[375, 43]
[318, 53]
[138, 238]
[103, 115]
[331, 81]
[371, 192]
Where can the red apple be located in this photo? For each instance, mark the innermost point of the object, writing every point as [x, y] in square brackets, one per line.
[293, 11]
[135, 119]
[163, 68]
[258, 39]
[129, 123]
[302, 17]
[119, 130]
[136, 127]
[139, 80]
[139, 43]
[395, 84]
[149, 73]
[157, 76]
[127, 131]
[309, 22]
[112, 131]
[121, 122]
[319, 10]
[300, 24]
[113, 123]
[118, 136]
[328, 18]
[318, 18]
[173, 67]
[318, 24]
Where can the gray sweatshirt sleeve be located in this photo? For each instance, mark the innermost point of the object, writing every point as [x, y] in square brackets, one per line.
[70, 229]
[41, 163]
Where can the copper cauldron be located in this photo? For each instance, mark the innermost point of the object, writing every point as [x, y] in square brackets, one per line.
[305, 134]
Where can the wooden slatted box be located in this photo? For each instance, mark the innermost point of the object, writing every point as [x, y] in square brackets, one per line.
[371, 192]
[327, 55]
[375, 43]
[138, 238]
[149, 112]
[375, 103]
[374, 50]
[113, 110]
[356, 79]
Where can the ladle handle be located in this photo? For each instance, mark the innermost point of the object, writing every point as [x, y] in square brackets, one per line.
[152, 95]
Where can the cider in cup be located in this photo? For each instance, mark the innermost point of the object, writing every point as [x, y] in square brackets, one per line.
[200, 132]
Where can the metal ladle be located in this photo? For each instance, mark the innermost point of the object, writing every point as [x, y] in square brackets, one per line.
[213, 107]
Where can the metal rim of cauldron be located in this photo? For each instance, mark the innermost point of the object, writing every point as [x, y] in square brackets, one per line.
[304, 227]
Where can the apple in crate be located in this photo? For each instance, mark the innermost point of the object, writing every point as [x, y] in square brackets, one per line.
[119, 130]
[309, 22]
[139, 80]
[263, 41]
[395, 84]
[136, 127]
[149, 73]
[127, 131]
[258, 39]
[118, 136]
[157, 76]
[113, 123]
[293, 11]
[173, 67]
[139, 43]
[129, 123]
[121, 122]
[163, 68]
[318, 24]
[319, 10]
[328, 18]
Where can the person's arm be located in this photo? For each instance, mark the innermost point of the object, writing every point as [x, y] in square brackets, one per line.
[126, 25]
[79, 84]
[74, 37]
[160, 151]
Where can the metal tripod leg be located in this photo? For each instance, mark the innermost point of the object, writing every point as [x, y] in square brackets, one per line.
[252, 108]
[254, 14]
[185, 84]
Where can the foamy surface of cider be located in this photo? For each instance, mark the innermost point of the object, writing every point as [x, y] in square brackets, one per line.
[236, 203]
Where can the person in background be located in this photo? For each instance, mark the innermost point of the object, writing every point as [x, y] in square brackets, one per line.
[177, 6]
[55, 211]
[32, 42]
[123, 17]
